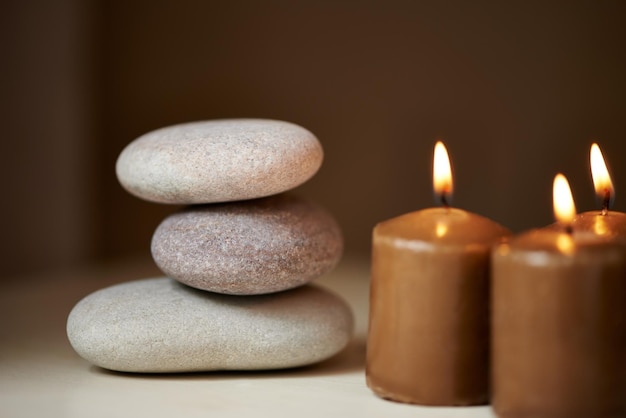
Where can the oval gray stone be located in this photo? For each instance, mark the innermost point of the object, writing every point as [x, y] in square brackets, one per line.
[219, 161]
[159, 325]
[251, 247]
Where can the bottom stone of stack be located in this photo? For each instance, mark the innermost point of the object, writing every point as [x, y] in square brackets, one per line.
[162, 326]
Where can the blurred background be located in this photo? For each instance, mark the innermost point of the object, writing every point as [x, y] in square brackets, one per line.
[517, 91]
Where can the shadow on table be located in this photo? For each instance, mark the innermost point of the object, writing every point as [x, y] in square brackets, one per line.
[350, 359]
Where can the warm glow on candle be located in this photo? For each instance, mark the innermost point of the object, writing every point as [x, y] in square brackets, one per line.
[565, 243]
[441, 229]
[442, 173]
[601, 178]
[564, 208]
[599, 225]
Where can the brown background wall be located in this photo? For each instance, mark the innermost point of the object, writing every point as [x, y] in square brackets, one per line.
[517, 92]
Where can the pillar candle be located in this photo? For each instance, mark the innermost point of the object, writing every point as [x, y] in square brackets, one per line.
[428, 337]
[559, 324]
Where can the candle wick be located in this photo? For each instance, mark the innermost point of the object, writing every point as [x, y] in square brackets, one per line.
[444, 201]
[569, 230]
[606, 202]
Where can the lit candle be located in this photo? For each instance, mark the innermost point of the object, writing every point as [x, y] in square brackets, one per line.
[559, 321]
[428, 338]
[604, 221]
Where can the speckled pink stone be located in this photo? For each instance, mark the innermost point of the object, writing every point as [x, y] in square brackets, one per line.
[219, 161]
[252, 247]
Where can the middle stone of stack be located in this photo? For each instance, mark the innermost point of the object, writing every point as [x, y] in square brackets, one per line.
[247, 248]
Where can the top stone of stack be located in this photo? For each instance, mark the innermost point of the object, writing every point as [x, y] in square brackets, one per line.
[219, 161]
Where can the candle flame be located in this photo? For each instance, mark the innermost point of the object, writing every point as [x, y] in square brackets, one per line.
[442, 173]
[564, 208]
[601, 178]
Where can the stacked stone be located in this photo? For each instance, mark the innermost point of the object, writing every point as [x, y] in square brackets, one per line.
[238, 259]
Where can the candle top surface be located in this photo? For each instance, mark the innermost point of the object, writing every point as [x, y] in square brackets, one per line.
[611, 224]
[553, 239]
[442, 226]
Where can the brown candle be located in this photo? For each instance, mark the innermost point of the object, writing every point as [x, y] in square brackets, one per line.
[428, 338]
[559, 325]
[605, 221]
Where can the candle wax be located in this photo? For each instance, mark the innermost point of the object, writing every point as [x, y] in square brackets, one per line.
[612, 223]
[428, 338]
[559, 326]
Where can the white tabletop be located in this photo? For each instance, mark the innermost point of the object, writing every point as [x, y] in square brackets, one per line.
[41, 376]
